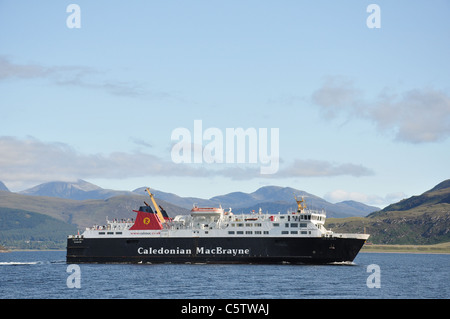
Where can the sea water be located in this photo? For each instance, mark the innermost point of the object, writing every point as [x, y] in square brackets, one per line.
[45, 274]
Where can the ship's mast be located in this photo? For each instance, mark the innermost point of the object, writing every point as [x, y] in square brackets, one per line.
[300, 207]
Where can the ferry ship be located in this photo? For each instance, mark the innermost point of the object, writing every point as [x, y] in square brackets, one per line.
[215, 235]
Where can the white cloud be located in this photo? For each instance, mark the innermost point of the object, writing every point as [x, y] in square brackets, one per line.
[33, 161]
[11, 70]
[336, 95]
[418, 116]
[414, 116]
[77, 76]
[318, 168]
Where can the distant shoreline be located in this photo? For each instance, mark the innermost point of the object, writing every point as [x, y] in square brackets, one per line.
[11, 250]
[442, 248]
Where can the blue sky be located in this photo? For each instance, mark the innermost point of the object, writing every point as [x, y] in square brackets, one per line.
[362, 113]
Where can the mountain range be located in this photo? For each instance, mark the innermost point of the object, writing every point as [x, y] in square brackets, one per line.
[26, 217]
[3, 187]
[268, 198]
[79, 190]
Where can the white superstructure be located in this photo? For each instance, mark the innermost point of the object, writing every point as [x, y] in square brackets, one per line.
[216, 222]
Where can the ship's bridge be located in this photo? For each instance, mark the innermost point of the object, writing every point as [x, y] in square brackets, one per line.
[314, 216]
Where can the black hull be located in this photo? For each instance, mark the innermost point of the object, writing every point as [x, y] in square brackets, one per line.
[244, 250]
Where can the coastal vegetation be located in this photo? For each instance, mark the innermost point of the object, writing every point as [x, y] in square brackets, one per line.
[21, 229]
[442, 248]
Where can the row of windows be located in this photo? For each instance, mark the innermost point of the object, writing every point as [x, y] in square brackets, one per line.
[247, 225]
[292, 225]
[285, 232]
[295, 232]
[296, 217]
[110, 233]
[303, 217]
[239, 232]
[248, 232]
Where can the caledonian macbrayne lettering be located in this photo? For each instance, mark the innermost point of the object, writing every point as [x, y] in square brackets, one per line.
[198, 251]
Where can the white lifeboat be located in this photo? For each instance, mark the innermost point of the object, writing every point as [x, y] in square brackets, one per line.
[206, 211]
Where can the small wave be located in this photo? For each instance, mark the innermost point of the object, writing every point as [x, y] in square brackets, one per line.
[343, 263]
[16, 263]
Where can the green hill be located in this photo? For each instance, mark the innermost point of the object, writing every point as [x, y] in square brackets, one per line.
[440, 194]
[20, 229]
[40, 222]
[82, 213]
[418, 220]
